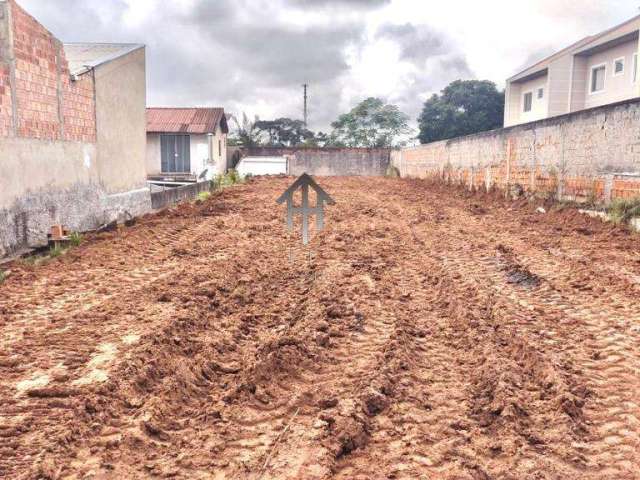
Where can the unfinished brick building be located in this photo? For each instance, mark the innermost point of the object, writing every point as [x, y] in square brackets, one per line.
[72, 131]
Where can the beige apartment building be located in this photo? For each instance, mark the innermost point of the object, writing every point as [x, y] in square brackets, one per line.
[598, 70]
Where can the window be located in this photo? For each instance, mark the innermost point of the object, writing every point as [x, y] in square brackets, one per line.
[597, 78]
[220, 147]
[540, 92]
[618, 66]
[528, 100]
[635, 67]
[175, 153]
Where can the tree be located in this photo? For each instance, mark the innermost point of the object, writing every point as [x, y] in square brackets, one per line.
[285, 132]
[320, 140]
[246, 133]
[463, 107]
[370, 124]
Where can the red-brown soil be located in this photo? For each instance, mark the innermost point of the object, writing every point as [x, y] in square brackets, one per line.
[425, 334]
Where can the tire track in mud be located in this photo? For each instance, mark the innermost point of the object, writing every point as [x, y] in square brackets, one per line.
[608, 354]
[349, 334]
[610, 382]
[432, 432]
[419, 341]
[60, 357]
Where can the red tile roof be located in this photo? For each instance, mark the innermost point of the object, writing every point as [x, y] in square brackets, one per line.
[186, 120]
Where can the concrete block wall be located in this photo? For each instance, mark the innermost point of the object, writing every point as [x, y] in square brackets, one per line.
[339, 162]
[593, 154]
[328, 161]
[171, 196]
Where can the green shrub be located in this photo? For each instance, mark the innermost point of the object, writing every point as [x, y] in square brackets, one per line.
[621, 211]
[3, 276]
[234, 176]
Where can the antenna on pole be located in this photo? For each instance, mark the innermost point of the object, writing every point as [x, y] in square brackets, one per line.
[305, 86]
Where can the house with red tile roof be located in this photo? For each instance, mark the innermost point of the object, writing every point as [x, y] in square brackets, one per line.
[186, 143]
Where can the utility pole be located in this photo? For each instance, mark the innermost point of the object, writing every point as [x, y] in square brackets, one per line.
[304, 86]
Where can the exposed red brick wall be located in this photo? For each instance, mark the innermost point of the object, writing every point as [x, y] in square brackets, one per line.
[574, 187]
[78, 108]
[625, 189]
[38, 80]
[6, 120]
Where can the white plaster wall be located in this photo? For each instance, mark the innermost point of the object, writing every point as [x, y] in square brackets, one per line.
[30, 165]
[121, 122]
[153, 156]
[199, 154]
[220, 150]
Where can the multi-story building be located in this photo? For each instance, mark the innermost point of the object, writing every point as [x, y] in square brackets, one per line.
[598, 70]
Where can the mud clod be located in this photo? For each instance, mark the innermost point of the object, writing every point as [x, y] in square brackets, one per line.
[374, 402]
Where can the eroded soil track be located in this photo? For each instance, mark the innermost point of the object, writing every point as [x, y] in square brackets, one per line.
[425, 334]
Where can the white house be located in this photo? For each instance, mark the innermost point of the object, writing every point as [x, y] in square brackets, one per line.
[186, 142]
[597, 70]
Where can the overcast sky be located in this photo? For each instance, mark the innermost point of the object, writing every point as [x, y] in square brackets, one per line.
[254, 55]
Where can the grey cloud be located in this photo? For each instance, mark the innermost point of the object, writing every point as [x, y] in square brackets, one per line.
[237, 54]
[360, 4]
[422, 84]
[77, 20]
[437, 59]
[232, 53]
[591, 16]
[535, 57]
[416, 42]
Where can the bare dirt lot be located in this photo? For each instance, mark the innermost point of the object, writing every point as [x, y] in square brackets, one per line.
[429, 334]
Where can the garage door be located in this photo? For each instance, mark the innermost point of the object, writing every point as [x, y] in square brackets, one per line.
[262, 166]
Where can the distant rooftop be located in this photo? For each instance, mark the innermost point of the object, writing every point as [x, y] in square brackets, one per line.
[82, 57]
[186, 120]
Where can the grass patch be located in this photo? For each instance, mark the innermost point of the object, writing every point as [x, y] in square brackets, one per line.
[3, 276]
[30, 260]
[202, 196]
[232, 177]
[621, 211]
[56, 251]
[75, 239]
